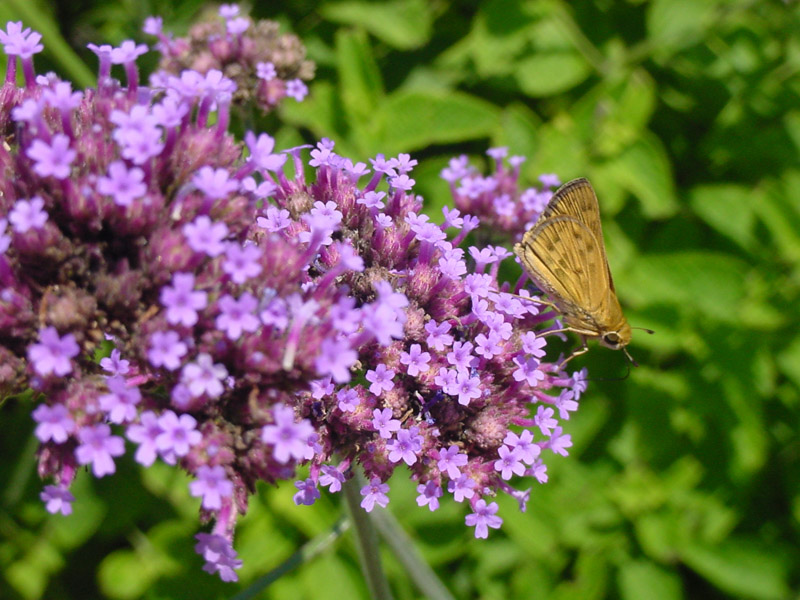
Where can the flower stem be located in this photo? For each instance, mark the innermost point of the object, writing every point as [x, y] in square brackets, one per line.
[305, 554]
[366, 540]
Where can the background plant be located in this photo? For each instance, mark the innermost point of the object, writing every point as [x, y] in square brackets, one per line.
[683, 478]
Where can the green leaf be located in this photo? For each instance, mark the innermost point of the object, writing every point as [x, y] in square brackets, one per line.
[741, 567]
[644, 170]
[676, 24]
[546, 73]
[412, 120]
[359, 78]
[789, 361]
[780, 214]
[711, 283]
[403, 24]
[728, 208]
[643, 579]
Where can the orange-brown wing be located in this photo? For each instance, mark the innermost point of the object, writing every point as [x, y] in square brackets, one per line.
[576, 199]
[563, 257]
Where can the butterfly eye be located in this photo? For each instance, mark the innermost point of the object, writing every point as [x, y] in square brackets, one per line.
[611, 340]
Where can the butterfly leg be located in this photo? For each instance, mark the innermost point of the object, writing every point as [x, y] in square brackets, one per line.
[578, 352]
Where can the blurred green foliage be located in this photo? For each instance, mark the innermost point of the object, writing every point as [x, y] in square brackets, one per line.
[684, 481]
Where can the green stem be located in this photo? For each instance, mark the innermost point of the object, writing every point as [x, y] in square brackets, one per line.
[416, 568]
[308, 551]
[366, 541]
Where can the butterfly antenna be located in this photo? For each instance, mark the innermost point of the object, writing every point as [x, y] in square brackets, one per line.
[650, 331]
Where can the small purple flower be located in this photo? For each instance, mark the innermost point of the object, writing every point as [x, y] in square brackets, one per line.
[307, 492]
[527, 370]
[54, 423]
[290, 439]
[438, 338]
[531, 344]
[523, 446]
[295, 88]
[333, 477]
[348, 399]
[416, 359]
[510, 462]
[374, 493]
[488, 346]
[120, 403]
[166, 350]
[566, 404]
[405, 446]
[372, 200]
[466, 388]
[57, 499]
[52, 159]
[204, 376]
[335, 359]
[483, 518]
[381, 379]
[550, 180]
[237, 316]
[53, 353]
[383, 422]
[242, 262]
[215, 183]
[204, 235]
[213, 485]
[462, 488]
[266, 71]
[275, 220]
[28, 214]
[429, 494]
[145, 434]
[544, 419]
[98, 446]
[178, 434]
[182, 301]
[115, 365]
[450, 460]
[219, 555]
[122, 184]
[559, 442]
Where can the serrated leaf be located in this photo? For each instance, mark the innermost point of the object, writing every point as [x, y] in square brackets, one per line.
[415, 119]
[403, 24]
[643, 579]
[729, 209]
[546, 73]
[742, 568]
[645, 171]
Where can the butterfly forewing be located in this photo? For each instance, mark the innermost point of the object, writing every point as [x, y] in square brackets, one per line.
[565, 255]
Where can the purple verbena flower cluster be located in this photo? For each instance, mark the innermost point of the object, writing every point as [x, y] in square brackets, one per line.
[266, 66]
[496, 199]
[254, 321]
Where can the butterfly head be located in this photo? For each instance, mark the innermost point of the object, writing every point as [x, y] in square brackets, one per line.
[617, 339]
